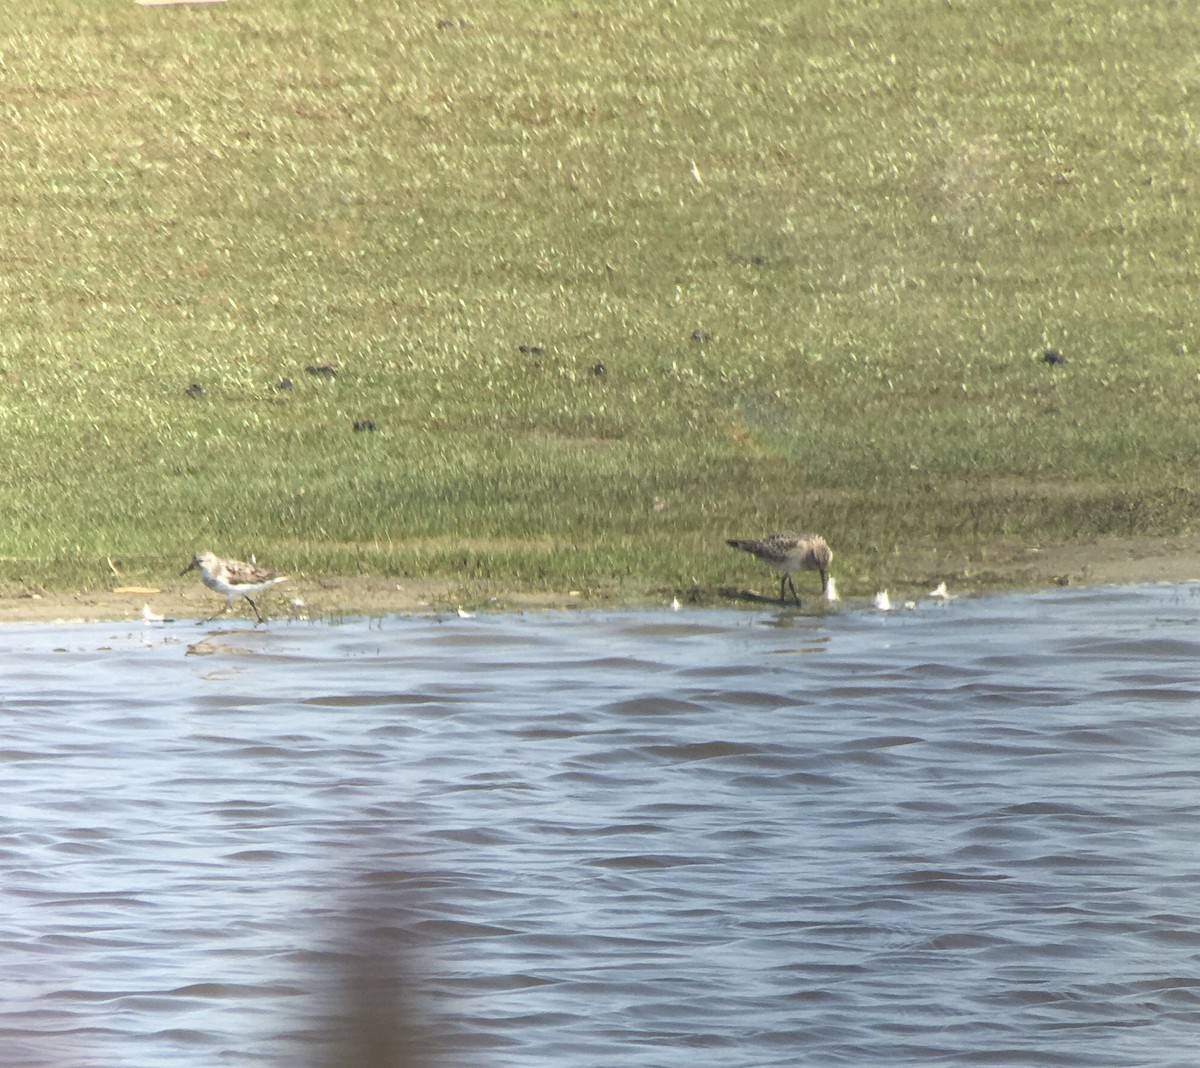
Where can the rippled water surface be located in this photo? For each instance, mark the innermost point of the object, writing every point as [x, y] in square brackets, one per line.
[967, 834]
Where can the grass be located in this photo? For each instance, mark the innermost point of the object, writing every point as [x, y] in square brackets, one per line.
[503, 228]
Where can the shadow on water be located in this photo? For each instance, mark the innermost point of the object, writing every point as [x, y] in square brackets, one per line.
[375, 999]
[732, 596]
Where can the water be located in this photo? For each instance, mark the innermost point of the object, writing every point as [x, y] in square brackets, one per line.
[961, 835]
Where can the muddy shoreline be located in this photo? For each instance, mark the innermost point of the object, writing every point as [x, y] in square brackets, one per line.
[1111, 561]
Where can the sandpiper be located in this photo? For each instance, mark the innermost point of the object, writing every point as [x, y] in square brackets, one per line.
[787, 552]
[232, 579]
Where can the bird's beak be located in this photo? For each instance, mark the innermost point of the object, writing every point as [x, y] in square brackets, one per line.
[194, 563]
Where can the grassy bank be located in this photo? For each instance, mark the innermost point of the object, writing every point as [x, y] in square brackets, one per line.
[610, 282]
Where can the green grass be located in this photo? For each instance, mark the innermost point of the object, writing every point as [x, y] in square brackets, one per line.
[879, 214]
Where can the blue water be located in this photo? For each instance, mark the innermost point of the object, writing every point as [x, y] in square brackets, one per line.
[965, 834]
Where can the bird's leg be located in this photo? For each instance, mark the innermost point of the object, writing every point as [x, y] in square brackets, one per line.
[782, 586]
[824, 582]
[215, 614]
[255, 607]
[793, 588]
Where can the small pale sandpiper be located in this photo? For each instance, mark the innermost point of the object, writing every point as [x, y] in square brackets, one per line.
[232, 579]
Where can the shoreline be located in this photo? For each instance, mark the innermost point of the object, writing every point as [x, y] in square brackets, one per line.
[990, 569]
